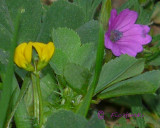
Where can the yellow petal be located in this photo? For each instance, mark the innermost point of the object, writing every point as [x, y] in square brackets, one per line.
[48, 51]
[19, 56]
[39, 47]
[51, 49]
[28, 52]
[22, 61]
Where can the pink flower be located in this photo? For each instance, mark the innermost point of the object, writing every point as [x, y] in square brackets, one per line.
[124, 36]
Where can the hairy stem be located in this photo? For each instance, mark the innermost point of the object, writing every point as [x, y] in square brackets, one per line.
[35, 98]
[40, 101]
[38, 104]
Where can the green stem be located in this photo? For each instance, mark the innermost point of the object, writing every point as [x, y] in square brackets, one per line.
[84, 106]
[35, 98]
[38, 102]
[22, 92]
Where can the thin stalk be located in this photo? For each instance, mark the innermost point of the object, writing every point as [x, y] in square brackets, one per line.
[35, 98]
[22, 92]
[38, 101]
[84, 106]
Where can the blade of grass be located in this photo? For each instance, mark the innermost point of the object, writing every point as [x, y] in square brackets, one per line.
[25, 85]
[7, 88]
[84, 106]
[105, 13]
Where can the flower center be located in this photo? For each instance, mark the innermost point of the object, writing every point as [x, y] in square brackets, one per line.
[115, 35]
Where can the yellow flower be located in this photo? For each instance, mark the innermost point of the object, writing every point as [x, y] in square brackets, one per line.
[23, 56]
[45, 52]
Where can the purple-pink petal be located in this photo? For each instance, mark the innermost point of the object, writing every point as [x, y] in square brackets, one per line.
[125, 20]
[108, 43]
[132, 49]
[128, 51]
[146, 28]
[139, 33]
[116, 50]
[131, 44]
[112, 18]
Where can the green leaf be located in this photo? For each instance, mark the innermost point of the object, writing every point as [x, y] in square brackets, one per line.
[58, 61]
[125, 101]
[89, 32]
[77, 77]
[144, 16]
[155, 62]
[88, 7]
[4, 56]
[5, 37]
[155, 38]
[128, 4]
[142, 84]
[66, 40]
[119, 69]
[66, 119]
[30, 21]
[61, 14]
[21, 73]
[21, 116]
[28, 99]
[153, 102]
[7, 82]
[85, 55]
[51, 100]
[70, 50]
[48, 84]
[95, 122]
